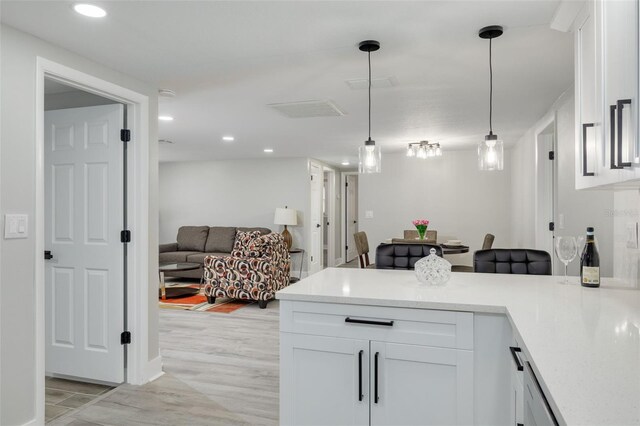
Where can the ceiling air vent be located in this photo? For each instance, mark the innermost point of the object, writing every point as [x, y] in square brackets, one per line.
[376, 83]
[307, 109]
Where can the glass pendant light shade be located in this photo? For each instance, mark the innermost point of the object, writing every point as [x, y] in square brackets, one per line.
[491, 153]
[370, 157]
[410, 151]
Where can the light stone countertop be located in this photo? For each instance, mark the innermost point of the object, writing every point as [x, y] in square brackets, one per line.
[584, 343]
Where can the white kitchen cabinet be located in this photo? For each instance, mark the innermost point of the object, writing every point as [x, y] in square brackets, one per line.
[414, 385]
[349, 364]
[536, 407]
[620, 59]
[606, 83]
[516, 397]
[326, 380]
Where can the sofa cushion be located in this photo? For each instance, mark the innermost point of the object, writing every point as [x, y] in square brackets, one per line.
[263, 231]
[199, 257]
[192, 238]
[175, 256]
[220, 239]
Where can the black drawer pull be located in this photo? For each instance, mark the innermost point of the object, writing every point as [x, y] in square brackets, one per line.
[376, 397]
[360, 395]
[370, 322]
[585, 126]
[514, 354]
[620, 104]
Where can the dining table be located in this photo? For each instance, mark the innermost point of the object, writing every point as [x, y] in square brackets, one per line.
[446, 248]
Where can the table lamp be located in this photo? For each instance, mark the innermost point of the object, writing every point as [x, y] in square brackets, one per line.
[285, 216]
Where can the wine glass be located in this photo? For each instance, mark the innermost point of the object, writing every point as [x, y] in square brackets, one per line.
[566, 250]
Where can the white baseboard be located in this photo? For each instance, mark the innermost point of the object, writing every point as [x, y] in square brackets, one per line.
[153, 369]
[33, 422]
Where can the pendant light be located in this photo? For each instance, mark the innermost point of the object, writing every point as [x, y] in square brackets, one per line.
[491, 150]
[369, 154]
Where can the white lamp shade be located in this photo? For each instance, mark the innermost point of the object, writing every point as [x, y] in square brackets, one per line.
[285, 217]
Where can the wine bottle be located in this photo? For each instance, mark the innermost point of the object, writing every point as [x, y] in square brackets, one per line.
[590, 262]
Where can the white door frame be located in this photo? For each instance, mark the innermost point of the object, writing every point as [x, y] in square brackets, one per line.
[343, 214]
[139, 369]
[331, 216]
[542, 232]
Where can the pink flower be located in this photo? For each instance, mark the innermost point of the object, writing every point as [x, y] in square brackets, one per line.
[423, 222]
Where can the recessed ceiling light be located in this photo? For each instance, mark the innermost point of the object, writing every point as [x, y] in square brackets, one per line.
[345, 163]
[268, 150]
[228, 138]
[90, 10]
[165, 118]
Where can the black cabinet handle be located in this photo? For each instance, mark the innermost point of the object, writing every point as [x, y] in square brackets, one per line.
[360, 396]
[519, 424]
[370, 322]
[376, 397]
[514, 351]
[612, 137]
[620, 104]
[585, 126]
[48, 255]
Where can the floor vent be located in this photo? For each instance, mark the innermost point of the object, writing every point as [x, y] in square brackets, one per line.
[307, 109]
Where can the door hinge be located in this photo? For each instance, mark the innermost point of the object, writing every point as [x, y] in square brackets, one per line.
[125, 338]
[125, 236]
[552, 155]
[346, 247]
[125, 135]
[312, 258]
[346, 184]
[552, 226]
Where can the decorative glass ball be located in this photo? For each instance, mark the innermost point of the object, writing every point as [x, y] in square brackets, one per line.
[433, 270]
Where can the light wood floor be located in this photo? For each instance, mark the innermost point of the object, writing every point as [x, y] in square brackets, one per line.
[219, 369]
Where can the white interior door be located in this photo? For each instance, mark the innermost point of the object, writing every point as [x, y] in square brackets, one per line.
[352, 215]
[315, 250]
[545, 192]
[84, 294]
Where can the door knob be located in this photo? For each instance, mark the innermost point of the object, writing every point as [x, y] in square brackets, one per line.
[318, 225]
[48, 255]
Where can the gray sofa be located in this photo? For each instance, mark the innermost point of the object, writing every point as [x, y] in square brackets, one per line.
[194, 243]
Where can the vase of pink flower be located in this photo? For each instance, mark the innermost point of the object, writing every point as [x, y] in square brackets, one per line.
[421, 225]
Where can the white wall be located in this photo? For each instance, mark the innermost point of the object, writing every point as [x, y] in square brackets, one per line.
[580, 208]
[626, 216]
[458, 199]
[17, 194]
[233, 193]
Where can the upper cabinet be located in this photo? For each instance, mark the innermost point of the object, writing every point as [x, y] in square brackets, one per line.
[606, 89]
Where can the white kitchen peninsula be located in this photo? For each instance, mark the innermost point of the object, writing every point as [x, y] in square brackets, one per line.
[377, 347]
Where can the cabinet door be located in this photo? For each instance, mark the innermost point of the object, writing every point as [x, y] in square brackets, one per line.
[516, 399]
[413, 385]
[323, 380]
[591, 166]
[620, 48]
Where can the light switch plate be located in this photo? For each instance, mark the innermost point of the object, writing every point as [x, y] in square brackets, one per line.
[368, 214]
[16, 226]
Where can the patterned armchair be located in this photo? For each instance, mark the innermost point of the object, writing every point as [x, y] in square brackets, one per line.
[257, 268]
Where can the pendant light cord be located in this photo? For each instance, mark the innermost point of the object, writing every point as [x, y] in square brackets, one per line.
[490, 92]
[369, 55]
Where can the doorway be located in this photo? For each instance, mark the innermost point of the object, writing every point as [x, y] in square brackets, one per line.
[329, 218]
[350, 215]
[137, 367]
[546, 188]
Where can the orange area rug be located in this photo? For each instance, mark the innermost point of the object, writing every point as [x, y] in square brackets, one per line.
[198, 302]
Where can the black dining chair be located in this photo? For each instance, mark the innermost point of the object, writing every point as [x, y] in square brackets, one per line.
[403, 256]
[512, 261]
